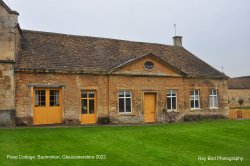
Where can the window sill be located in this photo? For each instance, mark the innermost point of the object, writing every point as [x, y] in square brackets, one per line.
[195, 109]
[126, 113]
[172, 111]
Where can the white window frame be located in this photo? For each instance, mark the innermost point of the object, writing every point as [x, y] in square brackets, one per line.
[214, 97]
[124, 98]
[171, 96]
[194, 96]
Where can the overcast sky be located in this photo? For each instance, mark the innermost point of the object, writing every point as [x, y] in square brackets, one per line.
[217, 31]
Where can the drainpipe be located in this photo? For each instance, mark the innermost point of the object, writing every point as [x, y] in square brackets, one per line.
[108, 96]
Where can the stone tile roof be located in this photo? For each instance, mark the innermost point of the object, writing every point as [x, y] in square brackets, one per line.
[7, 8]
[52, 52]
[239, 83]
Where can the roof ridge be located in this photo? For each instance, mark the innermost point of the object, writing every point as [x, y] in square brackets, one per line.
[241, 77]
[95, 37]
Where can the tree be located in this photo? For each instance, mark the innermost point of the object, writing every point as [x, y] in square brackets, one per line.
[241, 101]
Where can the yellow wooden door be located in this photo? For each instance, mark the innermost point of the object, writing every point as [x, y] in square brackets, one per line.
[149, 107]
[88, 110]
[47, 106]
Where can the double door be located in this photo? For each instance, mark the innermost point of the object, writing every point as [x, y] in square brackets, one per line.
[47, 106]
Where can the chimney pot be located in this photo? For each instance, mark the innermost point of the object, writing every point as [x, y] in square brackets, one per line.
[177, 41]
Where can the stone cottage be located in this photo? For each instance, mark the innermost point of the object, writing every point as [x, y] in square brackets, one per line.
[239, 88]
[50, 78]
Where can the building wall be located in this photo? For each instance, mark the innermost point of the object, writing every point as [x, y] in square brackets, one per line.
[9, 38]
[107, 96]
[72, 86]
[235, 94]
[160, 85]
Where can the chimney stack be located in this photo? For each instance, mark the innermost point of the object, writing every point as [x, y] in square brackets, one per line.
[177, 41]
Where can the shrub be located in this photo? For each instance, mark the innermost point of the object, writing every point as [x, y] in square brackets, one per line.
[103, 120]
[170, 116]
[199, 117]
[240, 101]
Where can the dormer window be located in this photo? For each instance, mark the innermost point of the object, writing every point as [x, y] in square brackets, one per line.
[148, 65]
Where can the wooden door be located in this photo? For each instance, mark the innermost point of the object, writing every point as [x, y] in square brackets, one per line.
[47, 106]
[88, 112]
[149, 107]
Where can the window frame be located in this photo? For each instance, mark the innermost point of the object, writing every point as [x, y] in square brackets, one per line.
[171, 97]
[39, 101]
[48, 97]
[55, 99]
[194, 95]
[213, 99]
[145, 65]
[88, 100]
[124, 100]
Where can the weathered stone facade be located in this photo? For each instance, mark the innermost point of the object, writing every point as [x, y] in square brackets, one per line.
[239, 88]
[107, 88]
[8, 45]
[235, 94]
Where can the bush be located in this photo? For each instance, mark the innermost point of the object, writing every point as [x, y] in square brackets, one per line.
[103, 120]
[199, 117]
[170, 117]
[240, 101]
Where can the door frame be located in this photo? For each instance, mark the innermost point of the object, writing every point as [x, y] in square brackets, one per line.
[156, 105]
[96, 99]
[33, 107]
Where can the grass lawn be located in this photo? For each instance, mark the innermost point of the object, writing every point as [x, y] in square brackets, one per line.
[165, 144]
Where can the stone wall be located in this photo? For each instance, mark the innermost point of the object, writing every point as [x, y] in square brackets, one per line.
[9, 37]
[8, 23]
[160, 85]
[107, 96]
[72, 86]
[235, 94]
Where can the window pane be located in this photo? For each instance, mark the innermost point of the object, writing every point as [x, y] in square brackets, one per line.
[216, 101]
[51, 98]
[127, 94]
[42, 98]
[128, 105]
[149, 65]
[54, 98]
[91, 94]
[169, 103]
[191, 92]
[84, 94]
[57, 103]
[84, 106]
[192, 103]
[37, 98]
[91, 106]
[196, 92]
[42, 92]
[174, 103]
[52, 92]
[121, 105]
[121, 93]
[196, 104]
[214, 92]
